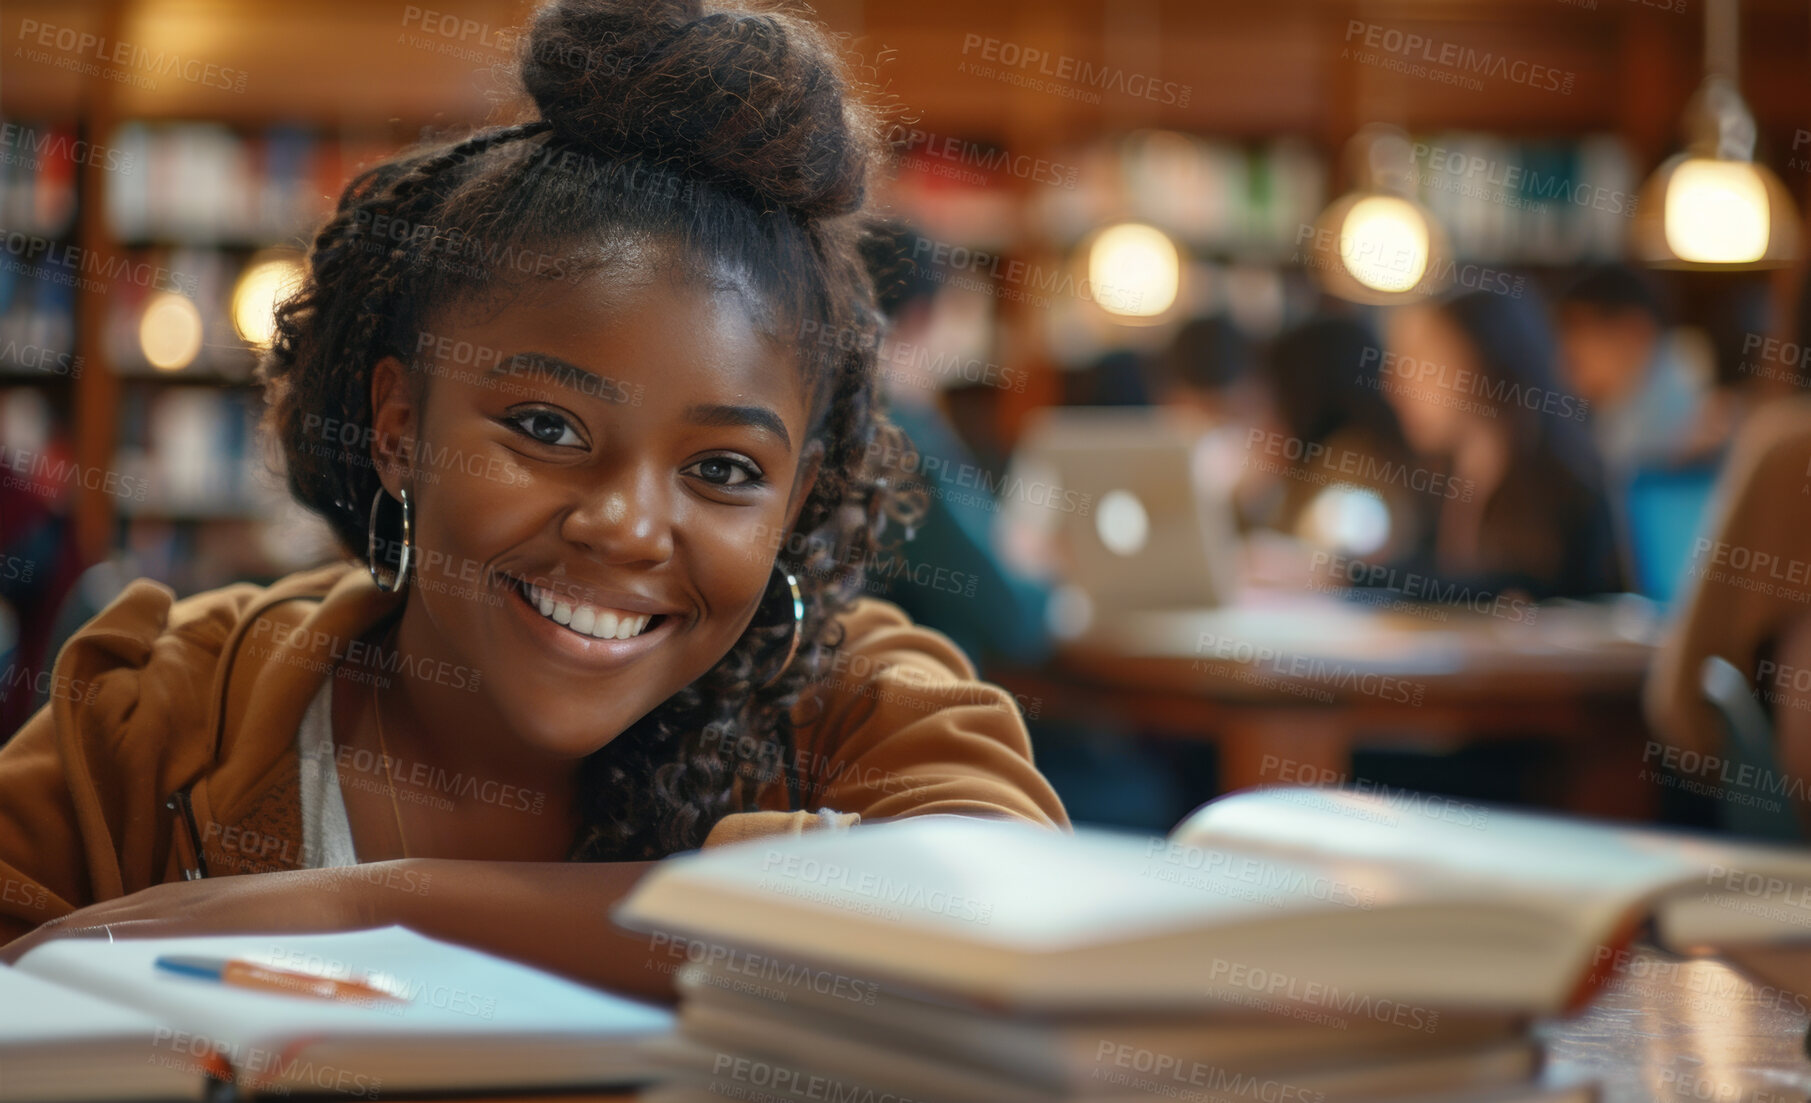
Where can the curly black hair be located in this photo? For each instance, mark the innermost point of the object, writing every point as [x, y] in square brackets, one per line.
[734, 135]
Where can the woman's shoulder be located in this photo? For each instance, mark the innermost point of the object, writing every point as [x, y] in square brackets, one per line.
[877, 635]
[149, 651]
[898, 724]
[147, 616]
[888, 672]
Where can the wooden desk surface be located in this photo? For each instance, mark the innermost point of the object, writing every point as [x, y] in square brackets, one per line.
[1691, 1030]
[1288, 688]
[1312, 644]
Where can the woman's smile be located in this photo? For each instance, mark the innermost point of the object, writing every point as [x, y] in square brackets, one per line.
[600, 620]
[597, 636]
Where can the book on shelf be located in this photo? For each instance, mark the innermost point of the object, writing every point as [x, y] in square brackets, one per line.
[39, 163]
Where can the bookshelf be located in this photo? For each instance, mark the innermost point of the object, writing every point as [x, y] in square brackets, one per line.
[188, 491]
[220, 176]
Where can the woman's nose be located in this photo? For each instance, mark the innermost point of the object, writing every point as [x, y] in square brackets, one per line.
[626, 519]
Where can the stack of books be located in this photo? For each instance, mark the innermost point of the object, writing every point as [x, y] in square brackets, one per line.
[1283, 944]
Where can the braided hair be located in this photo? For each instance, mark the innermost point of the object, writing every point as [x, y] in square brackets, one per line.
[732, 134]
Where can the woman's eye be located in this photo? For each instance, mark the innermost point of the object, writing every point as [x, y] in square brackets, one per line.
[723, 471]
[546, 427]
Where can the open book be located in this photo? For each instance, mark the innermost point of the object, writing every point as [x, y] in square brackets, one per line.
[83, 1019]
[1268, 897]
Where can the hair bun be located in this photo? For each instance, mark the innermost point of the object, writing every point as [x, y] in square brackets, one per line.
[754, 100]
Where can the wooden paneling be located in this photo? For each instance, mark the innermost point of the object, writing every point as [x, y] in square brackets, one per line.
[1252, 68]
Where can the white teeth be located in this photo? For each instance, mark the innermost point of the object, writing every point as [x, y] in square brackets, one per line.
[588, 620]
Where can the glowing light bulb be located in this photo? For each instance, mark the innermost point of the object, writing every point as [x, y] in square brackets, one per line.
[1135, 270]
[1716, 212]
[170, 332]
[1383, 243]
[261, 286]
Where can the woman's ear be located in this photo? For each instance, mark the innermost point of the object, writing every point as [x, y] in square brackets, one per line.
[395, 413]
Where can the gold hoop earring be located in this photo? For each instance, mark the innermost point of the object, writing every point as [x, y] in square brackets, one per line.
[798, 623]
[400, 580]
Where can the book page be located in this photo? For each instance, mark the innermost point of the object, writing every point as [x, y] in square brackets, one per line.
[59, 1043]
[34, 1010]
[1586, 873]
[449, 992]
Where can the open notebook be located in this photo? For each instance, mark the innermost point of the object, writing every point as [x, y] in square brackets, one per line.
[1270, 895]
[81, 1019]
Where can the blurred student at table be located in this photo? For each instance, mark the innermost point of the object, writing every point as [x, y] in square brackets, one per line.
[1205, 375]
[1646, 389]
[1347, 492]
[1205, 383]
[947, 576]
[1746, 601]
[1474, 381]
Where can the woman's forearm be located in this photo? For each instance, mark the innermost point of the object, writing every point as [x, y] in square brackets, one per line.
[552, 915]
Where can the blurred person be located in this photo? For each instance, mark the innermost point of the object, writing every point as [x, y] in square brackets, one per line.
[625, 601]
[1349, 489]
[1203, 379]
[1788, 698]
[1117, 377]
[1205, 373]
[946, 573]
[1476, 388]
[39, 568]
[948, 569]
[1746, 603]
[1645, 392]
[1747, 615]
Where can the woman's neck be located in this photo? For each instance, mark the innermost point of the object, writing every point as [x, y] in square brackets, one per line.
[471, 786]
[1482, 458]
[1480, 463]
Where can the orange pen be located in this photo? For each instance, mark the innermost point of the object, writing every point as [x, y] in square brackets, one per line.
[264, 978]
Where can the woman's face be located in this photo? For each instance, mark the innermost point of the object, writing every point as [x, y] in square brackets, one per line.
[601, 471]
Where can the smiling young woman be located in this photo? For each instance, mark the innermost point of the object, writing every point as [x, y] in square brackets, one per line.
[613, 516]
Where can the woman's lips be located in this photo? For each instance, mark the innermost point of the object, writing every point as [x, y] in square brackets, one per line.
[586, 648]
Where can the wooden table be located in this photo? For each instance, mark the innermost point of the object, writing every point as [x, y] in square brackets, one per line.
[1288, 689]
[1692, 1030]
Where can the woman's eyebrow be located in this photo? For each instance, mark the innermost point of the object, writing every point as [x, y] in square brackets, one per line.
[563, 373]
[759, 417]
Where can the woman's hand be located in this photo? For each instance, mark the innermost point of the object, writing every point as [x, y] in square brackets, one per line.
[291, 902]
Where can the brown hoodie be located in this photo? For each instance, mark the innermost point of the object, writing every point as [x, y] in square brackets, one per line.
[169, 742]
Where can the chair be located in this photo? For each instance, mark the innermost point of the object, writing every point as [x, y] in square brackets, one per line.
[1749, 739]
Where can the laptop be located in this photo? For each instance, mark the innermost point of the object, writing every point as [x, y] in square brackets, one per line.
[1145, 533]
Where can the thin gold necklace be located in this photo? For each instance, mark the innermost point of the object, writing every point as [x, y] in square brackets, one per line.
[377, 713]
